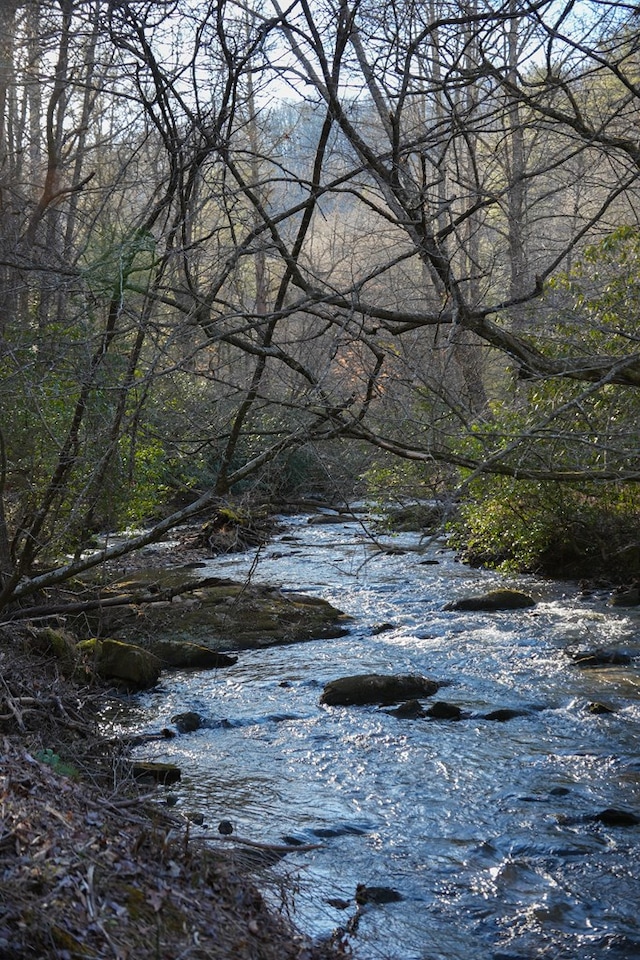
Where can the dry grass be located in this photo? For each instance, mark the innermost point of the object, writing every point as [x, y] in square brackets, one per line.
[88, 867]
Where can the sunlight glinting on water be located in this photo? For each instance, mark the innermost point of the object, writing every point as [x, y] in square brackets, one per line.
[485, 828]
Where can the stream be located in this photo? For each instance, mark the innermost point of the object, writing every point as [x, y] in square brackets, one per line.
[485, 828]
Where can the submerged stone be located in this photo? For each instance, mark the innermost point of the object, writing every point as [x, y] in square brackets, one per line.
[165, 773]
[613, 817]
[365, 894]
[338, 903]
[601, 658]
[322, 519]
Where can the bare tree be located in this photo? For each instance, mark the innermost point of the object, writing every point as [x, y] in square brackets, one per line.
[192, 273]
[496, 91]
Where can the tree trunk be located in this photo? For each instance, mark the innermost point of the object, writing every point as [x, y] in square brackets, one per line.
[6, 567]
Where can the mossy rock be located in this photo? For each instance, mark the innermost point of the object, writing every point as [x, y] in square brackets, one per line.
[56, 643]
[125, 663]
[218, 614]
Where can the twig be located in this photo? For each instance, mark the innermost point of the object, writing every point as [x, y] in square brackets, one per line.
[97, 603]
[276, 847]
[91, 897]
[13, 707]
[129, 802]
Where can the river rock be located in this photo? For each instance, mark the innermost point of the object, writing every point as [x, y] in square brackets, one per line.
[365, 894]
[165, 773]
[441, 710]
[409, 710]
[322, 519]
[379, 628]
[338, 903]
[215, 613]
[180, 654]
[376, 688]
[126, 663]
[187, 722]
[493, 600]
[600, 658]
[502, 714]
[613, 817]
[598, 709]
[625, 597]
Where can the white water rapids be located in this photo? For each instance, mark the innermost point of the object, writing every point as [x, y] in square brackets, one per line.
[484, 828]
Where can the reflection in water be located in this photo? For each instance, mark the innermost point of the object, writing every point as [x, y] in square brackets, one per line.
[485, 828]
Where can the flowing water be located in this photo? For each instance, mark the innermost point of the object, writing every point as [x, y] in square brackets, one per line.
[485, 828]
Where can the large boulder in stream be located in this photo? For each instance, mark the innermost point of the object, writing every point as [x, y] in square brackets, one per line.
[176, 605]
[123, 663]
[376, 688]
[493, 600]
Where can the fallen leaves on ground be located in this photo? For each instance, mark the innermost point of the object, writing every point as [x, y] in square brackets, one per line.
[92, 870]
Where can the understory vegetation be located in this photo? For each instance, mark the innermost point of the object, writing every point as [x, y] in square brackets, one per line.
[250, 255]
[253, 256]
[563, 531]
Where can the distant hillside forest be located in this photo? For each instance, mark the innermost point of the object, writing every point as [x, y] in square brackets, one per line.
[250, 252]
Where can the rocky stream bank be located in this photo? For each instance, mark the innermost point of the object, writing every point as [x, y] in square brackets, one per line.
[90, 866]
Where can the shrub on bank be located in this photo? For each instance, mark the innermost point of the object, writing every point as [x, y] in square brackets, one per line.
[553, 529]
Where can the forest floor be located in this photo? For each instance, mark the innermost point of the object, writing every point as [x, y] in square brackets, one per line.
[90, 866]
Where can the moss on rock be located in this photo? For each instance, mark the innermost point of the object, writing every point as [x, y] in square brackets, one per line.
[182, 655]
[57, 643]
[125, 663]
[218, 614]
